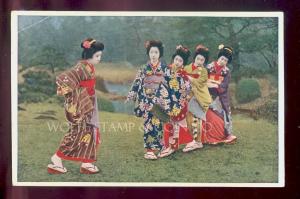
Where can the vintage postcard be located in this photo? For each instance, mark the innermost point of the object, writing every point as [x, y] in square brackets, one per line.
[147, 99]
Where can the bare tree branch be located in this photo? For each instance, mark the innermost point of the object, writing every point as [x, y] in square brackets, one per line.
[245, 26]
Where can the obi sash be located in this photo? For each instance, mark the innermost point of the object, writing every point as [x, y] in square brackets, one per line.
[151, 83]
[185, 74]
[89, 85]
[215, 77]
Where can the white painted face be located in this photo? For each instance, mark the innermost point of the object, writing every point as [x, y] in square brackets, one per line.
[154, 54]
[178, 61]
[199, 60]
[96, 58]
[222, 61]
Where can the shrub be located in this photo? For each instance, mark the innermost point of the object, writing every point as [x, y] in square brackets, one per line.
[37, 87]
[105, 105]
[269, 110]
[247, 90]
[32, 97]
[247, 72]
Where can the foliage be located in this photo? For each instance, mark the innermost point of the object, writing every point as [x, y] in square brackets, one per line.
[50, 57]
[37, 87]
[247, 90]
[33, 97]
[124, 37]
[269, 110]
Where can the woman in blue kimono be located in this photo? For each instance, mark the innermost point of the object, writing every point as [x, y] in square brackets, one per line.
[172, 96]
[142, 92]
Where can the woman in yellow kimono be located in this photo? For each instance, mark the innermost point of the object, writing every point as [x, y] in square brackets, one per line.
[199, 98]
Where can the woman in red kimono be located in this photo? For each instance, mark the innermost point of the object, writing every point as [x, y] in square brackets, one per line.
[77, 85]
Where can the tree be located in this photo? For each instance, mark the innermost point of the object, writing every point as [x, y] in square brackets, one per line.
[51, 58]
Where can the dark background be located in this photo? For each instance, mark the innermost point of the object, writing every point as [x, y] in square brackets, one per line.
[291, 11]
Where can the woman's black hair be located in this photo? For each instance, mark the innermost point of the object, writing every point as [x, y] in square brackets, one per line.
[201, 50]
[90, 47]
[225, 51]
[154, 43]
[183, 52]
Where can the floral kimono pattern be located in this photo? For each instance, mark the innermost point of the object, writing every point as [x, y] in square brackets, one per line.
[220, 95]
[172, 97]
[142, 93]
[83, 137]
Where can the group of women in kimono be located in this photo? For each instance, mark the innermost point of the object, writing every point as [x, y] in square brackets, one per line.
[180, 103]
[183, 103]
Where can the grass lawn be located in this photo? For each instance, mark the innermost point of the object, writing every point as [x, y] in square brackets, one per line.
[253, 159]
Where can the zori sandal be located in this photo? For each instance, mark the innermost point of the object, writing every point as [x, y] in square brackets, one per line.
[54, 169]
[166, 152]
[150, 156]
[89, 169]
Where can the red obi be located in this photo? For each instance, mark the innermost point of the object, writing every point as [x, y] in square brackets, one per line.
[89, 85]
[216, 77]
[185, 75]
[182, 114]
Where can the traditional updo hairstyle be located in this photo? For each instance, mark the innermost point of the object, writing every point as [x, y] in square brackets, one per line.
[201, 50]
[90, 47]
[154, 43]
[225, 51]
[183, 52]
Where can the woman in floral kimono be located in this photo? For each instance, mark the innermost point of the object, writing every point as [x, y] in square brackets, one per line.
[199, 98]
[172, 96]
[143, 92]
[218, 117]
[77, 85]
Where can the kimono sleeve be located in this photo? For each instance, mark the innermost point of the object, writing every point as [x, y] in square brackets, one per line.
[136, 86]
[223, 87]
[69, 80]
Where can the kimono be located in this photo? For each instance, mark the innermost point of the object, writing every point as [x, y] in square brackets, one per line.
[199, 100]
[218, 118]
[83, 137]
[172, 96]
[142, 93]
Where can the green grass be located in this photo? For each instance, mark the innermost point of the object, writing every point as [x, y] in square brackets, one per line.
[253, 159]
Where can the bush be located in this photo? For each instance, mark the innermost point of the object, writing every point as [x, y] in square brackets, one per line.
[32, 97]
[247, 72]
[37, 87]
[105, 105]
[269, 111]
[247, 90]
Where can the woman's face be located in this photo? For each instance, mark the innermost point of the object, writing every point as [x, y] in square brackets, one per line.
[199, 60]
[178, 61]
[222, 61]
[154, 54]
[96, 58]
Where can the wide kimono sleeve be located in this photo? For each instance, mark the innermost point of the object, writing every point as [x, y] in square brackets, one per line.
[136, 86]
[70, 79]
[78, 102]
[200, 89]
[223, 87]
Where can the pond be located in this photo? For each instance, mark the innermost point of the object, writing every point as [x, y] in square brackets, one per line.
[120, 89]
